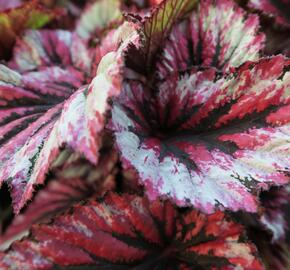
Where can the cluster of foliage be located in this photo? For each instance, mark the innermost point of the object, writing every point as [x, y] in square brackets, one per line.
[145, 135]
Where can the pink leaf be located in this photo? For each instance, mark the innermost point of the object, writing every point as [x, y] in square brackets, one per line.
[54, 106]
[218, 34]
[207, 141]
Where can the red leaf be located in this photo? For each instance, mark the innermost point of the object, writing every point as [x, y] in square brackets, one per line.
[127, 232]
[207, 141]
[74, 180]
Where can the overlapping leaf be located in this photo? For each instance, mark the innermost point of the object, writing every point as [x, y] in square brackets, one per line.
[188, 130]
[49, 104]
[127, 232]
[73, 180]
[199, 119]
[279, 9]
[158, 25]
[155, 28]
[32, 104]
[208, 141]
[218, 34]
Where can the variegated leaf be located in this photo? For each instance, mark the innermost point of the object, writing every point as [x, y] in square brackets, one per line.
[49, 104]
[205, 140]
[98, 17]
[128, 232]
[72, 180]
[218, 34]
[154, 29]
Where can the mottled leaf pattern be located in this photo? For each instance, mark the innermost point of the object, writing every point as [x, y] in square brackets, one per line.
[218, 34]
[144, 135]
[51, 48]
[128, 232]
[43, 110]
[279, 9]
[32, 103]
[207, 141]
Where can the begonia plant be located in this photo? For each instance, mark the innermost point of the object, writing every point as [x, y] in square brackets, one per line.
[144, 135]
